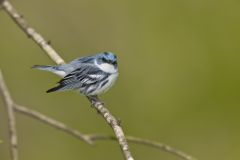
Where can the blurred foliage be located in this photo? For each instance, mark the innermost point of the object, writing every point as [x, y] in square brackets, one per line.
[178, 84]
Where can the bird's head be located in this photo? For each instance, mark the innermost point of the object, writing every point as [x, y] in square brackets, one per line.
[107, 57]
[107, 62]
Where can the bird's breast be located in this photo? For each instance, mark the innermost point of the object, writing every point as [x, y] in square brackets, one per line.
[108, 68]
[105, 85]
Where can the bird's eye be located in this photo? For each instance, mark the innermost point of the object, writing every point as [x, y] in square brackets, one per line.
[104, 60]
[114, 63]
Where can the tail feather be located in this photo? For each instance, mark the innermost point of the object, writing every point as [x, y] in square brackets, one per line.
[43, 67]
[53, 69]
[57, 88]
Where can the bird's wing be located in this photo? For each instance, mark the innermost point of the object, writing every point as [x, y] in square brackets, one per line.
[85, 75]
[87, 59]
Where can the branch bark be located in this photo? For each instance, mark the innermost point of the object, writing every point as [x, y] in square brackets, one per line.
[11, 119]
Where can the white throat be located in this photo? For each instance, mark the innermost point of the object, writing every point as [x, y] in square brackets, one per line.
[106, 67]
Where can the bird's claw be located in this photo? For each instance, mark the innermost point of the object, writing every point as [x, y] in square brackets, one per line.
[95, 101]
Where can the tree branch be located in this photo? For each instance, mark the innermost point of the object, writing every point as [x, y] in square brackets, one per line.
[11, 119]
[50, 121]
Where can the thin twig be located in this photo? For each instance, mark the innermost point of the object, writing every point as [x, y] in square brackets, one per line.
[145, 142]
[11, 118]
[88, 138]
[52, 122]
[161, 146]
[21, 22]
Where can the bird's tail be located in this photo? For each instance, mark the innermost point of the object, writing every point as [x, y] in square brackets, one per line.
[44, 67]
[53, 69]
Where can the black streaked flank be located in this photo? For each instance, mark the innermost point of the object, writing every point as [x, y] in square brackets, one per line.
[89, 92]
[104, 83]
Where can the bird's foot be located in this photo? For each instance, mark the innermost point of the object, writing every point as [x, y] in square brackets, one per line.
[95, 101]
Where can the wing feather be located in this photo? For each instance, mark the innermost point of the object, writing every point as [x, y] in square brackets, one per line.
[85, 75]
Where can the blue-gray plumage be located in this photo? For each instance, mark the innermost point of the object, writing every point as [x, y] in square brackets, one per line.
[91, 75]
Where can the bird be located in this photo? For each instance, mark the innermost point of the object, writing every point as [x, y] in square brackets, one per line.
[90, 75]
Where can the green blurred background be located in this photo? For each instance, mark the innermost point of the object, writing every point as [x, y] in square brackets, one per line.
[179, 77]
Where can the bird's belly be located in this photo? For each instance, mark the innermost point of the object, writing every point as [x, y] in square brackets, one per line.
[111, 80]
[60, 73]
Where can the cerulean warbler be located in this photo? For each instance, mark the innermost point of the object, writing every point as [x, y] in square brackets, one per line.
[91, 75]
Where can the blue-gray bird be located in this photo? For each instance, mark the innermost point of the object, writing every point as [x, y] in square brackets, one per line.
[91, 75]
